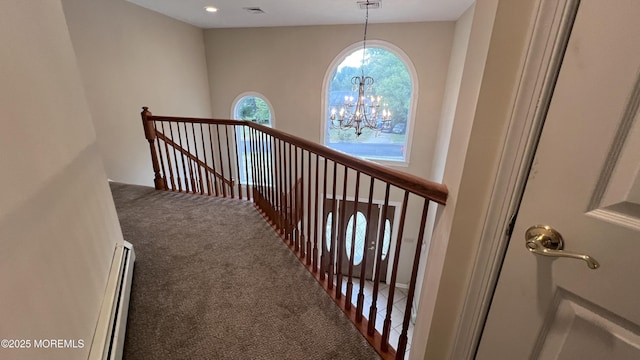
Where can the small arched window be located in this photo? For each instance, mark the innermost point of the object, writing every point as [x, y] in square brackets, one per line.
[394, 80]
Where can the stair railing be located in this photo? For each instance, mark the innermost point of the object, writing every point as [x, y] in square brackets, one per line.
[313, 197]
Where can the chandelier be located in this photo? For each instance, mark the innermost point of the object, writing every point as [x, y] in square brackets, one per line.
[364, 111]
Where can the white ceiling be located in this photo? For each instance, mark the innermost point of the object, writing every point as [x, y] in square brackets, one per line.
[303, 12]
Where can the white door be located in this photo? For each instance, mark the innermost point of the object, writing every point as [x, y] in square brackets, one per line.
[584, 183]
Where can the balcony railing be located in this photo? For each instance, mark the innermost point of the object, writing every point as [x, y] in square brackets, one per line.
[354, 224]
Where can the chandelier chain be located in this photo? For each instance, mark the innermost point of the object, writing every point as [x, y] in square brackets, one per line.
[364, 40]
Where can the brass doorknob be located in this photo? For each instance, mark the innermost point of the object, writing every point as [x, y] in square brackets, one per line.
[544, 240]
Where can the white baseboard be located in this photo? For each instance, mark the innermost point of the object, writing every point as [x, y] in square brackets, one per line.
[108, 340]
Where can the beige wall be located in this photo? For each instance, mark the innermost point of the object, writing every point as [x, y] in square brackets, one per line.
[58, 226]
[482, 115]
[288, 66]
[452, 90]
[131, 57]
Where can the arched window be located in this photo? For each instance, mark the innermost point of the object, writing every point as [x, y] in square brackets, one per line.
[394, 80]
[254, 107]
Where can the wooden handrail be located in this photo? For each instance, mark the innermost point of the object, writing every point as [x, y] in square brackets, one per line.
[196, 120]
[414, 184]
[171, 143]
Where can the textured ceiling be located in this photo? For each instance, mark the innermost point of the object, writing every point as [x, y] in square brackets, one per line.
[303, 12]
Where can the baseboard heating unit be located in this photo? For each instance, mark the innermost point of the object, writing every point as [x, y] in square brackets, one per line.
[108, 340]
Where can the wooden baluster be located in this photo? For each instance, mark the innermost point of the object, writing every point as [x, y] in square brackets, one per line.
[334, 224]
[182, 157]
[194, 164]
[340, 235]
[402, 341]
[386, 329]
[254, 165]
[186, 163]
[353, 244]
[256, 174]
[262, 172]
[255, 155]
[376, 281]
[190, 162]
[261, 168]
[315, 218]
[268, 175]
[175, 158]
[280, 188]
[289, 198]
[309, 237]
[246, 162]
[150, 135]
[295, 204]
[166, 151]
[195, 175]
[235, 141]
[204, 154]
[300, 207]
[284, 204]
[283, 190]
[223, 182]
[323, 265]
[192, 181]
[197, 165]
[274, 180]
[161, 156]
[226, 135]
[363, 265]
[195, 145]
[213, 163]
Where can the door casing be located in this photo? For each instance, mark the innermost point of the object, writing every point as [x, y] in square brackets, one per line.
[546, 48]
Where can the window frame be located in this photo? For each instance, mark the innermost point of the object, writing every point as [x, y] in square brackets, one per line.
[411, 118]
[236, 101]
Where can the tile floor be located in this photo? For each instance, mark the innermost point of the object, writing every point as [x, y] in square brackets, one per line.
[397, 314]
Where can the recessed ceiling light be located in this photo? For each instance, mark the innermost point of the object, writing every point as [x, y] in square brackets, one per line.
[210, 9]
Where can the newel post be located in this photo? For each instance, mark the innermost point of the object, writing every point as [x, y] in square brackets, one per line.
[150, 135]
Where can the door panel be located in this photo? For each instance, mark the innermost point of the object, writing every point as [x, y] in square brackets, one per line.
[584, 183]
[578, 329]
[368, 250]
